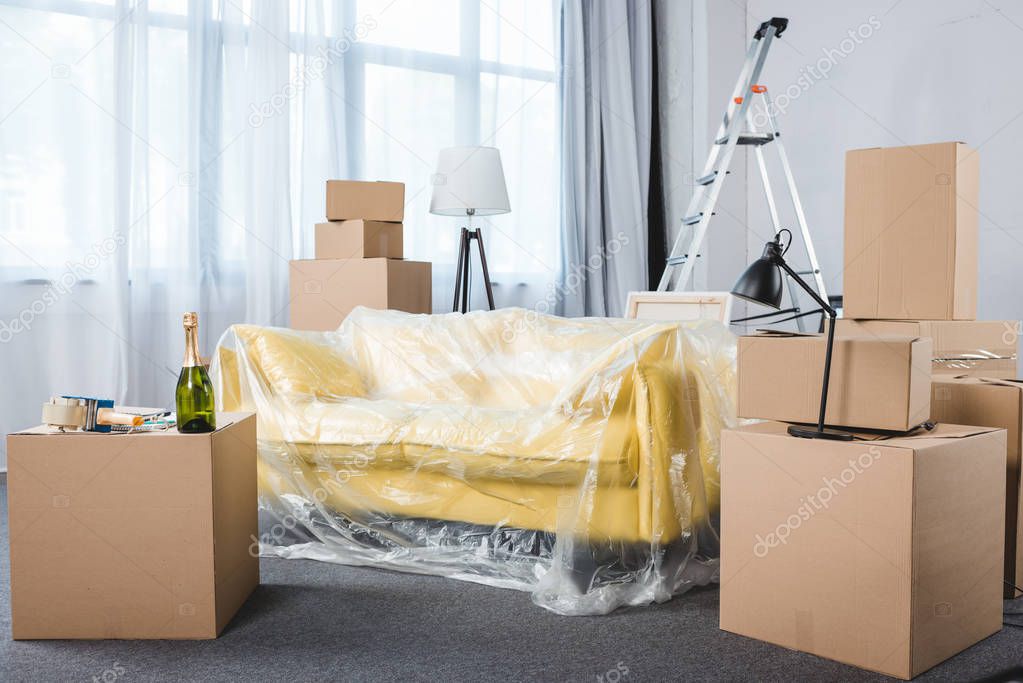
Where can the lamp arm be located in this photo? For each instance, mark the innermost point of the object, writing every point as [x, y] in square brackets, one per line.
[832, 313]
[831, 337]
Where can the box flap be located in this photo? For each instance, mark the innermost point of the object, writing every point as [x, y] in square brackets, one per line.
[943, 432]
[889, 338]
[974, 379]
[1015, 383]
[950, 431]
[766, 332]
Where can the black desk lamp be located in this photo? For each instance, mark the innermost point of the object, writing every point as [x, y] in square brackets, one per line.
[761, 283]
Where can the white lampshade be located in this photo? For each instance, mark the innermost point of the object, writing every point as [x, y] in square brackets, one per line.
[469, 178]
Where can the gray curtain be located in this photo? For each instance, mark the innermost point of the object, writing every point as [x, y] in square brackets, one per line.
[606, 86]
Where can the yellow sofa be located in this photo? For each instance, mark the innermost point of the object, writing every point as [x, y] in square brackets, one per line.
[499, 446]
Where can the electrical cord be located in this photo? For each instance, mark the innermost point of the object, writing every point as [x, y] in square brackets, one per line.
[788, 244]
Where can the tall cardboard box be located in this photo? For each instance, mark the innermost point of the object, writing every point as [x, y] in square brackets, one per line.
[983, 348]
[358, 239]
[886, 555]
[371, 201]
[876, 383]
[911, 232]
[992, 403]
[131, 535]
[324, 291]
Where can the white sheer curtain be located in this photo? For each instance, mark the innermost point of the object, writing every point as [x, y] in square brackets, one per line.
[170, 155]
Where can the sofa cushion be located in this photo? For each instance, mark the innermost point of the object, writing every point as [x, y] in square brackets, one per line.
[464, 441]
[299, 364]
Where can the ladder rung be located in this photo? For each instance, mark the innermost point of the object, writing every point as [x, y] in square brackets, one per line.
[709, 178]
[677, 260]
[695, 218]
[806, 272]
[748, 139]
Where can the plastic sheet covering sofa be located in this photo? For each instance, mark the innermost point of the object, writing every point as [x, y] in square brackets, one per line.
[573, 458]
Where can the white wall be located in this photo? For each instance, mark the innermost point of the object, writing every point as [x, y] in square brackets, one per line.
[930, 71]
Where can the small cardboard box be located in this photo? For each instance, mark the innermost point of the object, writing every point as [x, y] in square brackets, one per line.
[911, 232]
[886, 555]
[876, 383]
[992, 403]
[371, 201]
[358, 239]
[324, 291]
[131, 535]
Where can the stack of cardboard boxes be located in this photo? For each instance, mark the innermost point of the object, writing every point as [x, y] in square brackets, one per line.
[887, 552]
[359, 259]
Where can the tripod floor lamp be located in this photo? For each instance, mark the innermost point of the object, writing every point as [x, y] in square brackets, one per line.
[469, 182]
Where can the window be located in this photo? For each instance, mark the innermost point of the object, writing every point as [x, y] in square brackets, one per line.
[460, 72]
[413, 77]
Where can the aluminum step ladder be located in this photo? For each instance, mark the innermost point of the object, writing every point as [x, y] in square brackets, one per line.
[738, 127]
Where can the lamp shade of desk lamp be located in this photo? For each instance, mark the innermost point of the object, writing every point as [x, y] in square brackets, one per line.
[762, 283]
[469, 182]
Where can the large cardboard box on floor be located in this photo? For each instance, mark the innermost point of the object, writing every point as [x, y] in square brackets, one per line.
[992, 403]
[876, 383]
[358, 239]
[984, 348]
[911, 232]
[324, 291]
[886, 555]
[131, 535]
[371, 201]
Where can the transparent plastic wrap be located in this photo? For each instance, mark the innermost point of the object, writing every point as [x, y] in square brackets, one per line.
[576, 459]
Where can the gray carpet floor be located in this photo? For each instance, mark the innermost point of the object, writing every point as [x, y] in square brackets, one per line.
[312, 621]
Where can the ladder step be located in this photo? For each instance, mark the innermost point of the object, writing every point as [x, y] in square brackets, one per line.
[695, 218]
[806, 272]
[748, 139]
[677, 260]
[709, 178]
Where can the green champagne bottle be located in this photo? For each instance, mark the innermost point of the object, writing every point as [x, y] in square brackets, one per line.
[193, 398]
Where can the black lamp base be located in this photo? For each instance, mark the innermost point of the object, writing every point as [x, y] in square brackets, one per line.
[814, 433]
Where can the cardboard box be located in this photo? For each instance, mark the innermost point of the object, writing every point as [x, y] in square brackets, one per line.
[131, 535]
[911, 232]
[876, 383]
[324, 291]
[358, 239]
[996, 368]
[991, 403]
[886, 555]
[980, 348]
[371, 201]
[950, 338]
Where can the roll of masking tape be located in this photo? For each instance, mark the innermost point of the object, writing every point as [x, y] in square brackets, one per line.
[64, 412]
